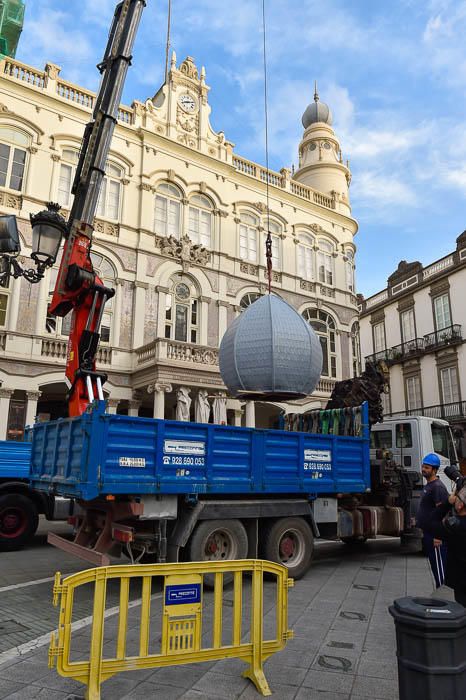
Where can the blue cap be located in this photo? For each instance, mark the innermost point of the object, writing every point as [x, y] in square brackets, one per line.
[432, 460]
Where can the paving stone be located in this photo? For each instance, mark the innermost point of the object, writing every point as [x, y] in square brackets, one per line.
[180, 676]
[375, 688]
[33, 692]
[310, 694]
[25, 671]
[151, 690]
[279, 692]
[8, 687]
[221, 686]
[381, 669]
[328, 681]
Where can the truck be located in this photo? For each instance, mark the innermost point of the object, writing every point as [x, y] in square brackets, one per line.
[163, 490]
[21, 505]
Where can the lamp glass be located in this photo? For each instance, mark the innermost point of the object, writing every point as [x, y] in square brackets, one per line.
[46, 239]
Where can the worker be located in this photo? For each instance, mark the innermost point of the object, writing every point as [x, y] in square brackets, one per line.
[435, 494]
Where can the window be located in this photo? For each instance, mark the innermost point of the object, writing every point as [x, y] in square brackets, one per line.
[381, 439]
[324, 326]
[378, 333]
[249, 299]
[275, 233]
[200, 220]
[325, 262]
[449, 385]
[13, 146]
[305, 254]
[404, 438]
[408, 328]
[413, 393]
[182, 310]
[355, 350]
[4, 284]
[442, 315]
[349, 268]
[110, 192]
[167, 210]
[442, 441]
[385, 399]
[248, 237]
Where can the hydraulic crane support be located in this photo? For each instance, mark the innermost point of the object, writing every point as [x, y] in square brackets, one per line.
[78, 289]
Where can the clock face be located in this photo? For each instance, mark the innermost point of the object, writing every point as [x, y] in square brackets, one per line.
[187, 103]
[182, 291]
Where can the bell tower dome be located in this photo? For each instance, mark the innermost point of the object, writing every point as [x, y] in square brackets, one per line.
[320, 159]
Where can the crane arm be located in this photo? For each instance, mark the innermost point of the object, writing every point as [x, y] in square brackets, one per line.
[78, 289]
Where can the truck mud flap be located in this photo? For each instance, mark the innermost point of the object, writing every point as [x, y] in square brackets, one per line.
[77, 550]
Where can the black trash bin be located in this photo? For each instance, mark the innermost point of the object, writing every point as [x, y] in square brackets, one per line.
[431, 648]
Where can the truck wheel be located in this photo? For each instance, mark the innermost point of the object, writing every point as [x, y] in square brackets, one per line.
[18, 521]
[289, 541]
[218, 540]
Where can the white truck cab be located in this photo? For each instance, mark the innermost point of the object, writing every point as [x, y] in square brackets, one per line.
[410, 438]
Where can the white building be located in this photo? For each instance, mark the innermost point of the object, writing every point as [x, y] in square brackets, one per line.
[416, 324]
[179, 234]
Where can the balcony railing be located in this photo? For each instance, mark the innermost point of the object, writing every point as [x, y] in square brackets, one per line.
[445, 411]
[451, 335]
[162, 349]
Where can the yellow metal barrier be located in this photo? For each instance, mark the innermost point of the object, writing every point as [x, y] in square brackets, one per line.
[180, 632]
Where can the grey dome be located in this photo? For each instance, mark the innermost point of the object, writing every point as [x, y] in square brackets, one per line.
[270, 352]
[317, 111]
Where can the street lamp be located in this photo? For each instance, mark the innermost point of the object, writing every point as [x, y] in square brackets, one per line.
[48, 228]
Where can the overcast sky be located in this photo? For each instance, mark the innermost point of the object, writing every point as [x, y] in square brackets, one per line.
[392, 71]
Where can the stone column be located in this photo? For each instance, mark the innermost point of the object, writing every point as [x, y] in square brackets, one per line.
[5, 396]
[116, 320]
[31, 408]
[203, 328]
[238, 417]
[133, 407]
[42, 306]
[159, 390]
[112, 405]
[222, 319]
[13, 304]
[250, 414]
[162, 292]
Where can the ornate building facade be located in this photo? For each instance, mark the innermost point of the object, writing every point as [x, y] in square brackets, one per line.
[179, 234]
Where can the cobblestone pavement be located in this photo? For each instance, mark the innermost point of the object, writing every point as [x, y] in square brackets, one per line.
[344, 643]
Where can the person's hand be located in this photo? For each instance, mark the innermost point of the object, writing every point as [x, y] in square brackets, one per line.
[452, 499]
[437, 543]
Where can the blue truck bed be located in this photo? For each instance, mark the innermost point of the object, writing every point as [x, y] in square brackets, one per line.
[98, 454]
[14, 459]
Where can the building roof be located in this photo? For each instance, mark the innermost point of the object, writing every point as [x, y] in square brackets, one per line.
[316, 112]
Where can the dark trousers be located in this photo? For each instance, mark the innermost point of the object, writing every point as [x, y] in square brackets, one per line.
[460, 596]
[437, 559]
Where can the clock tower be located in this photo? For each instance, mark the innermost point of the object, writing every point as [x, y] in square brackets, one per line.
[181, 111]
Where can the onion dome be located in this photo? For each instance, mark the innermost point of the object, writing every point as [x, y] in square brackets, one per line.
[317, 112]
[270, 353]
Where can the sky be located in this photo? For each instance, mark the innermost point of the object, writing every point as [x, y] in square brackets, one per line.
[392, 71]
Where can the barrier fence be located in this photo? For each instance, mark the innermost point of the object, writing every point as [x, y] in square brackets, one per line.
[178, 632]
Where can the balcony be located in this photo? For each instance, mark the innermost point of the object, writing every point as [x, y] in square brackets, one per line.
[447, 411]
[452, 335]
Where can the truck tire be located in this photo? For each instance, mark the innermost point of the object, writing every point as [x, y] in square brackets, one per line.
[218, 540]
[18, 521]
[289, 541]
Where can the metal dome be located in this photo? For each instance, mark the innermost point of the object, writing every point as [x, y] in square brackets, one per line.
[270, 352]
[317, 112]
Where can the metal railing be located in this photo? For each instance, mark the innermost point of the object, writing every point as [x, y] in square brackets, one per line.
[445, 411]
[417, 346]
[174, 636]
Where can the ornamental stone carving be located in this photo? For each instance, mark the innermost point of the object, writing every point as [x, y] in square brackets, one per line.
[12, 201]
[189, 69]
[306, 286]
[184, 250]
[248, 269]
[106, 228]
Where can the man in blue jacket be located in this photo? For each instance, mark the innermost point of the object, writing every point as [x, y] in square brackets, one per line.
[435, 494]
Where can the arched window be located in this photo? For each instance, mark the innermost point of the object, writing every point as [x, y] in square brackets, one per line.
[349, 265]
[324, 326]
[305, 253]
[56, 325]
[167, 220]
[249, 299]
[275, 232]
[200, 220]
[13, 144]
[355, 350]
[325, 262]
[110, 191]
[248, 237]
[182, 310]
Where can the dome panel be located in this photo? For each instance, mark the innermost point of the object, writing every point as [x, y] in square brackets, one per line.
[317, 112]
[270, 352]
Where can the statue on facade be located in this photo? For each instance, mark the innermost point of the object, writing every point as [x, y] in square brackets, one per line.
[183, 404]
[202, 407]
[220, 408]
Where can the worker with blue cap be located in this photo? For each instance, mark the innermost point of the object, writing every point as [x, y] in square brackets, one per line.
[434, 495]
